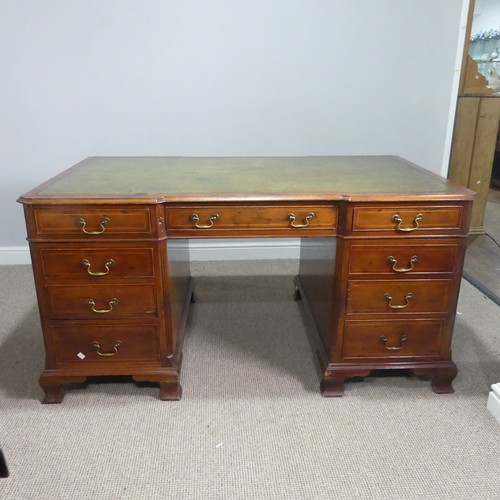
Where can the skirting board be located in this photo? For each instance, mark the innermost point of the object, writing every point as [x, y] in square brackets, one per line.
[10, 256]
[244, 249]
[494, 401]
[203, 250]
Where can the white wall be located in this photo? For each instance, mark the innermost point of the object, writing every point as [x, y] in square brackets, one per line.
[220, 77]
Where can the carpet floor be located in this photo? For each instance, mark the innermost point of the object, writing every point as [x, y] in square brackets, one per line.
[251, 423]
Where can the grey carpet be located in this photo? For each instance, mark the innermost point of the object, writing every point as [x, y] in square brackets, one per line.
[251, 424]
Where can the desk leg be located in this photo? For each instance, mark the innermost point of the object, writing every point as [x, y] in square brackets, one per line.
[332, 384]
[442, 375]
[170, 391]
[53, 393]
[51, 382]
[332, 387]
[179, 295]
[170, 387]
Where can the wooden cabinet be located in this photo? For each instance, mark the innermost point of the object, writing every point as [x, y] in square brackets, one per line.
[380, 269]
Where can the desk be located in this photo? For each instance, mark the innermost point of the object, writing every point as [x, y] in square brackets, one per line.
[382, 249]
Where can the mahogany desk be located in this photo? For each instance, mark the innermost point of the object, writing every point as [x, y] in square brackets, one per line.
[382, 249]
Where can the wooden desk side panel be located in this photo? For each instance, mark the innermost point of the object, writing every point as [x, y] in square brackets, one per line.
[179, 285]
[317, 279]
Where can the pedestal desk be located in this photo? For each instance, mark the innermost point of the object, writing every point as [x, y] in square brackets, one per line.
[382, 249]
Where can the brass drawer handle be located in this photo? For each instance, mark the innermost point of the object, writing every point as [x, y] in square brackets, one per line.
[104, 222]
[291, 217]
[112, 302]
[388, 297]
[416, 221]
[402, 341]
[392, 260]
[107, 265]
[195, 218]
[97, 347]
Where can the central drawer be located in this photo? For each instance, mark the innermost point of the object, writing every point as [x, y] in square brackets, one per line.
[300, 218]
[101, 301]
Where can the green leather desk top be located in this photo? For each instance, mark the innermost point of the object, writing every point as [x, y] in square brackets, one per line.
[183, 179]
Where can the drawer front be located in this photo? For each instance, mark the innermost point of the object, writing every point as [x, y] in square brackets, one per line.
[392, 338]
[107, 344]
[287, 217]
[410, 220]
[101, 301]
[398, 296]
[100, 222]
[97, 263]
[398, 260]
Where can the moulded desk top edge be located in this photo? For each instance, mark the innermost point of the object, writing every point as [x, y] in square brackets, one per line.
[187, 199]
[155, 180]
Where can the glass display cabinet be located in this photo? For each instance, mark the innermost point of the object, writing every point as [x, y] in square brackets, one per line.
[478, 107]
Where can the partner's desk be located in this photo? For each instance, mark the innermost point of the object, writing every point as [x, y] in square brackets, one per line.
[382, 249]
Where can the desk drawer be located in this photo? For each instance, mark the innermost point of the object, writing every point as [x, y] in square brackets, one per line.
[87, 222]
[389, 338]
[398, 296]
[101, 263]
[400, 220]
[105, 344]
[101, 302]
[286, 217]
[395, 259]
